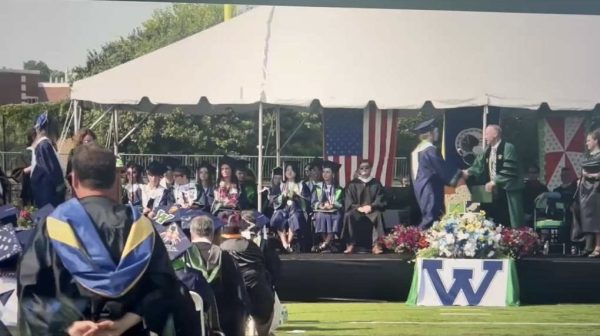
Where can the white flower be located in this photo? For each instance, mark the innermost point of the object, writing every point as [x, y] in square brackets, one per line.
[449, 238]
[469, 249]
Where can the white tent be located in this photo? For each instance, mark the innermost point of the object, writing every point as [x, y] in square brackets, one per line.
[339, 57]
[400, 59]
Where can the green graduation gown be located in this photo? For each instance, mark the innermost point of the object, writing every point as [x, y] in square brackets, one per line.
[509, 178]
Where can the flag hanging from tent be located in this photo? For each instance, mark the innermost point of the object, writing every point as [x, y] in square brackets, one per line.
[562, 142]
[462, 139]
[352, 134]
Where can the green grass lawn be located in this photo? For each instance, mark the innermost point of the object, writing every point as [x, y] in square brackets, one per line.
[398, 319]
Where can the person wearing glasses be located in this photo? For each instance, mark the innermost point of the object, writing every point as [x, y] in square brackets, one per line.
[184, 192]
[364, 205]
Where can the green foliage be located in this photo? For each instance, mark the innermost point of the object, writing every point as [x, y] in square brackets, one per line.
[19, 119]
[45, 71]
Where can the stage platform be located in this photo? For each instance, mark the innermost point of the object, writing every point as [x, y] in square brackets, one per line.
[321, 277]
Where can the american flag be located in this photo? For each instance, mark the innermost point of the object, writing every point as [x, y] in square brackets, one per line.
[352, 134]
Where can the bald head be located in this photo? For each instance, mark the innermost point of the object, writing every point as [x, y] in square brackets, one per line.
[493, 134]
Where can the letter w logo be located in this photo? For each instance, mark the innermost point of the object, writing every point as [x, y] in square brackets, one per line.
[462, 281]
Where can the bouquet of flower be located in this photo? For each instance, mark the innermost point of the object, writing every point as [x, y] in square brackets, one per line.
[405, 239]
[25, 219]
[521, 242]
[227, 195]
[468, 235]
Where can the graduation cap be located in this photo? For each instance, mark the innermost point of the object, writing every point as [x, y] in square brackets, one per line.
[166, 215]
[186, 216]
[334, 166]
[228, 160]
[8, 214]
[155, 168]
[175, 240]
[242, 164]
[316, 162]
[277, 171]
[9, 243]
[425, 127]
[42, 121]
[212, 170]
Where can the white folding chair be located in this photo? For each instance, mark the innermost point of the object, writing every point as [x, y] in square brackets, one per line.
[199, 304]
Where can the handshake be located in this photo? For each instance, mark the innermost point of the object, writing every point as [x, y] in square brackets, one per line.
[489, 187]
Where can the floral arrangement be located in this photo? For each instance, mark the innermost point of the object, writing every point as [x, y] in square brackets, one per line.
[521, 242]
[464, 235]
[405, 239]
[227, 194]
[25, 219]
[467, 235]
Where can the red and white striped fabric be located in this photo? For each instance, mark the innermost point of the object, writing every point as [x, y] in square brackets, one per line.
[351, 135]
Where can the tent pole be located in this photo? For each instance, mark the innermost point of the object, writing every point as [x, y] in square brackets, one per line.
[260, 156]
[138, 125]
[485, 113]
[101, 117]
[278, 136]
[116, 129]
[76, 116]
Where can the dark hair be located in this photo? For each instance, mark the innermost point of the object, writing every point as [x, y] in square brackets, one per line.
[31, 135]
[95, 166]
[534, 167]
[294, 168]
[83, 133]
[365, 161]
[138, 168]
[232, 178]
[183, 170]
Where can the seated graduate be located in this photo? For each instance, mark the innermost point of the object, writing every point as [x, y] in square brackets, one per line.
[205, 186]
[364, 205]
[153, 194]
[327, 204]
[222, 273]
[133, 184]
[247, 182]
[183, 193]
[227, 191]
[289, 219]
[45, 170]
[251, 263]
[313, 172]
[272, 192]
[96, 265]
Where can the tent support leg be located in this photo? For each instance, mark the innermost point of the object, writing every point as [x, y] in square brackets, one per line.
[116, 129]
[278, 136]
[485, 113]
[101, 117]
[260, 155]
[137, 125]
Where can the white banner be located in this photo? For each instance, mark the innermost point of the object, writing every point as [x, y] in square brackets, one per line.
[462, 282]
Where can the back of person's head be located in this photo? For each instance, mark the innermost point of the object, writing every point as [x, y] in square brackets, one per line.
[202, 226]
[94, 167]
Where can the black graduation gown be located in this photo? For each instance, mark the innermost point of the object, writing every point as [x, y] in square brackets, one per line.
[228, 287]
[45, 284]
[588, 197]
[358, 226]
[251, 263]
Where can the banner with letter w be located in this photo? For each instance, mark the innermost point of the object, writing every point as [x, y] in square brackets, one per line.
[464, 282]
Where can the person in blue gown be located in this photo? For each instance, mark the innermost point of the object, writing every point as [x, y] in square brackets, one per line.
[430, 173]
[46, 172]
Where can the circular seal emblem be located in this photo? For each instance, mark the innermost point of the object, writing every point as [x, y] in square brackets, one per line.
[468, 144]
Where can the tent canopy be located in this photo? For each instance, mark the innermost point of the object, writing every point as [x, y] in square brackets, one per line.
[342, 57]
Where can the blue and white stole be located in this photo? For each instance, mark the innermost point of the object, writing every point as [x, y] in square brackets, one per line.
[81, 250]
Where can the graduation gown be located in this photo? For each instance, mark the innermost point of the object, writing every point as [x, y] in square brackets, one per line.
[251, 263]
[359, 193]
[46, 175]
[52, 296]
[227, 285]
[248, 196]
[205, 197]
[327, 221]
[430, 174]
[507, 203]
[588, 197]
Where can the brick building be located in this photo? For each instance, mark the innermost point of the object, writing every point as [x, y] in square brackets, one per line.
[19, 86]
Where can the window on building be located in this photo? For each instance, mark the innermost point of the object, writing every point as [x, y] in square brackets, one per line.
[23, 79]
